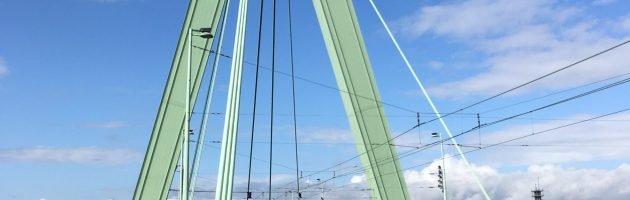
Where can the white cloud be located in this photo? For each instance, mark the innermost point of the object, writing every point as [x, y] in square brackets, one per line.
[558, 182]
[479, 18]
[357, 179]
[78, 155]
[4, 69]
[543, 36]
[107, 125]
[435, 65]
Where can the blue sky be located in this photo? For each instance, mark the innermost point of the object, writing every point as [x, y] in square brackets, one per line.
[80, 82]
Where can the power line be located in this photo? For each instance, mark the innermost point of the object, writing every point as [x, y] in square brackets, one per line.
[430, 101]
[451, 113]
[547, 75]
[535, 133]
[414, 116]
[502, 93]
[427, 146]
[475, 176]
[495, 96]
[496, 144]
[352, 158]
[547, 145]
[531, 81]
[322, 84]
[411, 152]
[554, 93]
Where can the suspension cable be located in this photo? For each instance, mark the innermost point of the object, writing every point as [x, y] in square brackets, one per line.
[251, 142]
[273, 67]
[297, 161]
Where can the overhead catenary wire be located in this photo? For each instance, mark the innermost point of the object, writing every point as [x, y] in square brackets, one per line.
[481, 101]
[413, 116]
[253, 126]
[475, 115]
[430, 101]
[443, 116]
[293, 78]
[503, 92]
[488, 146]
[456, 111]
[477, 103]
[555, 93]
[306, 80]
[427, 146]
[509, 90]
[503, 142]
[349, 159]
[572, 145]
[411, 152]
[534, 133]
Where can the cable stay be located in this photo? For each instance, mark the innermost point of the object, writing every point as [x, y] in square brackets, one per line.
[273, 80]
[295, 136]
[358, 90]
[428, 98]
[253, 126]
[204, 121]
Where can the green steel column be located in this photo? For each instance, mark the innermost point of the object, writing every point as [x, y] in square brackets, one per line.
[353, 71]
[164, 146]
[225, 174]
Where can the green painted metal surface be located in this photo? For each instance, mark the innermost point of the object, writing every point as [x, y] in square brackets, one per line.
[367, 119]
[164, 146]
[225, 176]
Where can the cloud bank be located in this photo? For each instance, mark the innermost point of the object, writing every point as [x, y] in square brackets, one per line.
[558, 183]
[521, 40]
[78, 155]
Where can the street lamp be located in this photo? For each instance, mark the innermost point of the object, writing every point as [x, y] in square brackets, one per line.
[322, 187]
[185, 153]
[438, 135]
